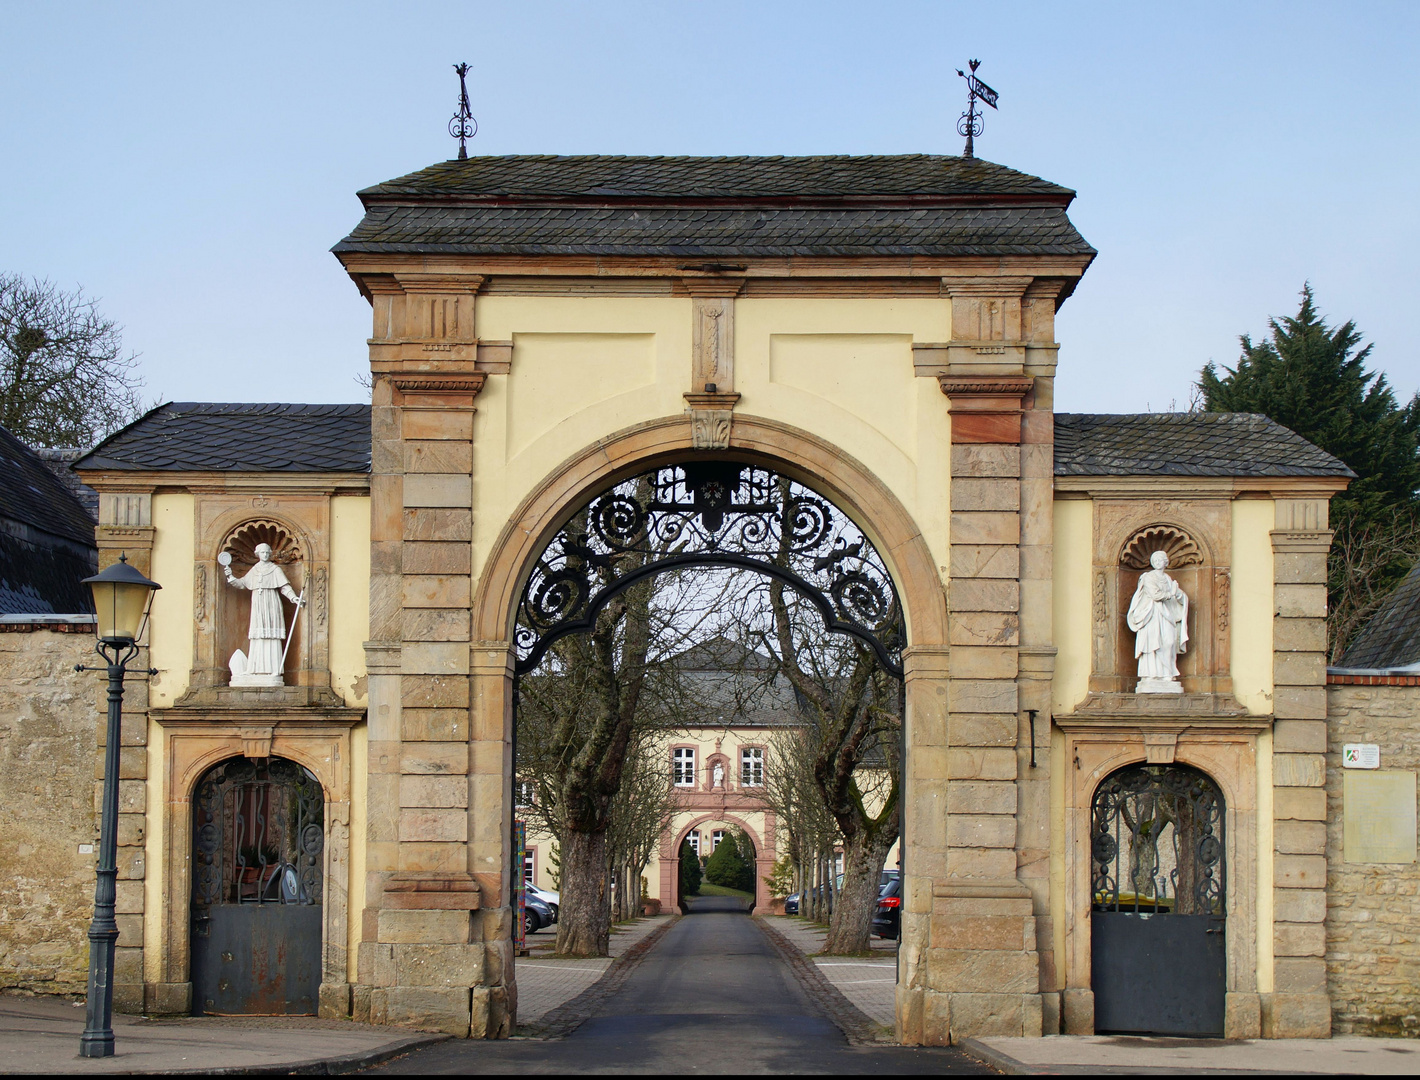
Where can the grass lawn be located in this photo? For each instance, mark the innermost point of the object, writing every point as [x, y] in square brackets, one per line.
[706, 889]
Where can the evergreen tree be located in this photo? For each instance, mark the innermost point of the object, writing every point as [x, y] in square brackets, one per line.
[1313, 379]
[728, 867]
[689, 870]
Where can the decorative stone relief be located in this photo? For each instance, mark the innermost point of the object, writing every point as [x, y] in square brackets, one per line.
[710, 429]
[1179, 547]
[1158, 615]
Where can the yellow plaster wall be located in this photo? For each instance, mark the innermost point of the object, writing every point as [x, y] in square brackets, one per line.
[1253, 521]
[583, 367]
[349, 596]
[170, 633]
[1072, 607]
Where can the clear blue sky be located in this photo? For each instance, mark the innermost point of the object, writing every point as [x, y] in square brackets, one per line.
[191, 164]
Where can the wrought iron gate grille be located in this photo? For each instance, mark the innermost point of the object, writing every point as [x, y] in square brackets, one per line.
[1157, 842]
[258, 835]
[712, 513]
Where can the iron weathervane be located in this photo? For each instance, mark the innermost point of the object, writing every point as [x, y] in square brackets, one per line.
[970, 123]
[463, 126]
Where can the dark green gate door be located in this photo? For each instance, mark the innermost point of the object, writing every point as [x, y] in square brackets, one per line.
[258, 846]
[1158, 921]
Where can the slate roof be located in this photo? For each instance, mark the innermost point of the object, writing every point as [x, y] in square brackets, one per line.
[1185, 444]
[195, 436]
[725, 207]
[30, 493]
[46, 538]
[1391, 639]
[825, 176]
[57, 461]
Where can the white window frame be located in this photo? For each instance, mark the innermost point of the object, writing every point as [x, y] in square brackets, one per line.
[683, 766]
[716, 838]
[523, 794]
[752, 766]
[694, 839]
[530, 865]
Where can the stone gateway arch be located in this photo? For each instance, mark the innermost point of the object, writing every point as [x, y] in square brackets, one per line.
[877, 331]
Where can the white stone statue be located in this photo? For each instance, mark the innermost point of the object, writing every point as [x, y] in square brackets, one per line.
[1158, 615]
[262, 664]
[719, 775]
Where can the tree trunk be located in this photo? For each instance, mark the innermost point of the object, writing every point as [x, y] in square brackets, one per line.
[582, 924]
[851, 927]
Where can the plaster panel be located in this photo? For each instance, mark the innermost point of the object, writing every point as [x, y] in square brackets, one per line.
[349, 597]
[1072, 602]
[170, 633]
[556, 376]
[847, 371]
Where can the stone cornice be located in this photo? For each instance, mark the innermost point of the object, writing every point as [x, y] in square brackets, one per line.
[1217, 487]
[255, 483]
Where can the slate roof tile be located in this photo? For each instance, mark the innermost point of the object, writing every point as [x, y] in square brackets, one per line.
[30, 493]
[1185, 444]
[1391, 639]
[192, 436]
[742, 177]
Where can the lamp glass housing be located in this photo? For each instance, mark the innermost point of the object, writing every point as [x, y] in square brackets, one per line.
[121, 599]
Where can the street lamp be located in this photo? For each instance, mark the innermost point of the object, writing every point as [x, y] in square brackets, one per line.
[122, 597]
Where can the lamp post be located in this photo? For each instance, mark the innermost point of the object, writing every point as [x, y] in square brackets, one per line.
[122, 598]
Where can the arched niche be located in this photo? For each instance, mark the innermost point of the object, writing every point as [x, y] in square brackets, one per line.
[1197, 553]
[233, 607]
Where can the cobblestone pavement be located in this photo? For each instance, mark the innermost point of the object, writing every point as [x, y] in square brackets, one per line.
[546, 982]
[869, 983]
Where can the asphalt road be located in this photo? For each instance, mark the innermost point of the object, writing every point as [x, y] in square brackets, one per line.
[711, 997]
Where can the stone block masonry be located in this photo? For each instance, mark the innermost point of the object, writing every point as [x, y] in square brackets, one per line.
[48, 718]
[1372, 947]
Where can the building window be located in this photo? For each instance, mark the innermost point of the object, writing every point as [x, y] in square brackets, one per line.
[529, 864]
[683, 767]
[715, 838]
[752, 767]
[523, 794]
[694, 840]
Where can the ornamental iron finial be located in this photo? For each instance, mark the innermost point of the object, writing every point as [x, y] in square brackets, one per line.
[463, 126]
[970, 124]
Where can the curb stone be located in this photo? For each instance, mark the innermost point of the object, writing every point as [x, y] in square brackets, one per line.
[997, 1060]
[342, 1065]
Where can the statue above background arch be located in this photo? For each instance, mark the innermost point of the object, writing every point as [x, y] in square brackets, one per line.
[263, 663]
[1158, 615]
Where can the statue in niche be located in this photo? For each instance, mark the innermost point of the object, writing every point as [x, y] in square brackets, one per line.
[1158, 615]
[265, 660]
[719, 775]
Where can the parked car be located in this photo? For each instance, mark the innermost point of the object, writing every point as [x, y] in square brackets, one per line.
[536, 915]
[791, 904]
[887, 916]
[547, 896]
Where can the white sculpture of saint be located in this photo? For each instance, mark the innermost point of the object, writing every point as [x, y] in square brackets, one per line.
[262, 664]
[719, 775]
[1158, 615]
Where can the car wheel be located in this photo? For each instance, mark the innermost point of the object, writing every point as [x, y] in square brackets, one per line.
[531, 923]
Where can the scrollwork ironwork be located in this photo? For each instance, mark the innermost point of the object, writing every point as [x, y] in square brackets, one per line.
[710, 514]
[1156, 842]
[258, 834]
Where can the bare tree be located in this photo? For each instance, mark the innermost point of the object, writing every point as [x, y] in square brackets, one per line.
[64, 377]
[1361, 567]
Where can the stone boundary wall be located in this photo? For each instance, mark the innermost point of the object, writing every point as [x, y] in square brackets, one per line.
[48, 754]
[1373, 909]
